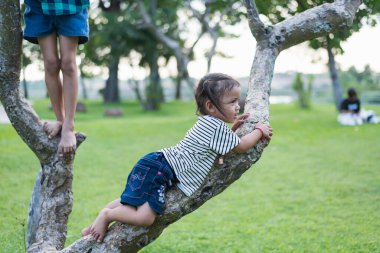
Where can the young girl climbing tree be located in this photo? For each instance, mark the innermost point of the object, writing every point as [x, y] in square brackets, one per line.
[186, 164]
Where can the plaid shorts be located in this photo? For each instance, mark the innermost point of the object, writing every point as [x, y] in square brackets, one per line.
[148, 181]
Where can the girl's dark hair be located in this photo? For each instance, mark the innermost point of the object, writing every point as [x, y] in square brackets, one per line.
[212, 87]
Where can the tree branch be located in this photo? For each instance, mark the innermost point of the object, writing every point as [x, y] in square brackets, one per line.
[51, 203]
[204, 19]
[314, 23]
[201, 18]
[257, 27]
[182, 58]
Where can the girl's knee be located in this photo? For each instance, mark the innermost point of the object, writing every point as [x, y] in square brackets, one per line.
[68, 66]
[52, 65]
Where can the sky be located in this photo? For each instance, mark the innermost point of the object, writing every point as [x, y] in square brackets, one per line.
[360, 49]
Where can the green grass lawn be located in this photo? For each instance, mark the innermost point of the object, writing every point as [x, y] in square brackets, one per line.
[315, 189]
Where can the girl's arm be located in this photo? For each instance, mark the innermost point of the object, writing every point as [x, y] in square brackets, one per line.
[240, 120]
[250, 140]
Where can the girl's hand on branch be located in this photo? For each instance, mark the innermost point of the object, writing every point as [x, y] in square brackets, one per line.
[265, 129]
[239, 121]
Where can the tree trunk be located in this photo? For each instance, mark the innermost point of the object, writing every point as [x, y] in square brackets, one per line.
[178, 87]
[84, 89]
[336, 85]
[212, 51]
[153, 91]
[136, 88]
[111, 91]
[24, 84]
[51, 203]
[50, 231]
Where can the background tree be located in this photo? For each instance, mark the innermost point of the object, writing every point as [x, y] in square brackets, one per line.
[366, 79]
[153, 30]
[366, 83]
[210, 15]
[83, 74]
[26, 61]
[213, 16]
[303, 90]
[151, 24]
[115, 33]
[152, 50]
[107, 44]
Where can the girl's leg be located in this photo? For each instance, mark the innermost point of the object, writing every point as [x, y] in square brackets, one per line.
[143, 215]
[68, 47]
[49, 51]
[111, 205]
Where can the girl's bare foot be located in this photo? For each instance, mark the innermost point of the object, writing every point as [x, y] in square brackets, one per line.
[68, 141]
[86, 231]
[52, 128]
[100, 226]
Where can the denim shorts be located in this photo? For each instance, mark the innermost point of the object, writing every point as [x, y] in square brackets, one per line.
[148, 181]
[40, 25]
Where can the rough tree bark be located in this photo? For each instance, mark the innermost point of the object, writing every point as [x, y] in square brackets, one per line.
[271, 40]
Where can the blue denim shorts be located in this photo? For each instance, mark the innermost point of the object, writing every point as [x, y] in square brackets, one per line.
[40, 25]
[148, 181]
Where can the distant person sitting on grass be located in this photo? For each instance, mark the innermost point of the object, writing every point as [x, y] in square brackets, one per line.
[351, 114]
[186, 164]
[48, 22]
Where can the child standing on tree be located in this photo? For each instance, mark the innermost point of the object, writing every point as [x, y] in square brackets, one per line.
[58, 26]
[186, 164]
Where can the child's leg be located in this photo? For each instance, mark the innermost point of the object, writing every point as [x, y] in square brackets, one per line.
[140, 216]
[49, 51]
[111, 205]
[68, 47]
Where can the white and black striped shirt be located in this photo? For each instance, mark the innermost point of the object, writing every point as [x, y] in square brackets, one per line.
[193, 157]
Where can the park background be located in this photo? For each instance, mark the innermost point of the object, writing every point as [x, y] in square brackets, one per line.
[316, 188]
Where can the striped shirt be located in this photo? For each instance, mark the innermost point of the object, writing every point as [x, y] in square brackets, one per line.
[58, 7]
[194, 156]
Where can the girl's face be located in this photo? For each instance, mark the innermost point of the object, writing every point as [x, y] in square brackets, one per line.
[229, 105]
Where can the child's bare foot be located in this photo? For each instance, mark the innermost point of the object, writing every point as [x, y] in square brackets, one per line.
[68, 141]
[100, 226]
[86, 231]
[52, 128]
